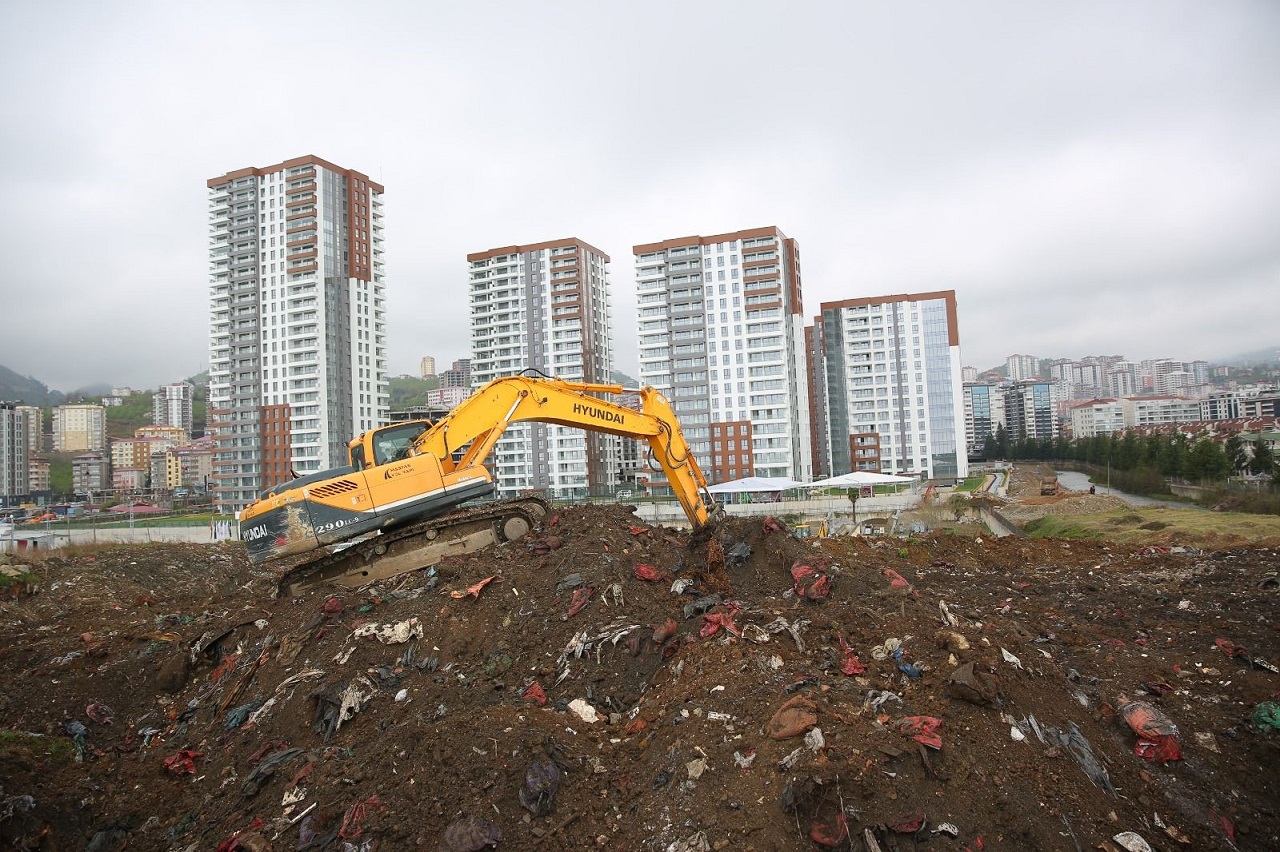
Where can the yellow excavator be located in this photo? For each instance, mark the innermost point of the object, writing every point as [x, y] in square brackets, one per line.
[395, 508]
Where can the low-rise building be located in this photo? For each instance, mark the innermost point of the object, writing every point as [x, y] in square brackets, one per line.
[90, 474]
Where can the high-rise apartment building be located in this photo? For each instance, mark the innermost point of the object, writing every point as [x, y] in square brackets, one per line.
[721, 324]
[79, 427]
[545, 307]
[172, 405]
[894, 396]
[35, 427]
[15, 475]
[1029, 411]
[1019, 368]
[427, 368]
[983, 416]
[297, 331]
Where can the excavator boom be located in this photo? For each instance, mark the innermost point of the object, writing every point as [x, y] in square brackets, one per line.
[396, 480]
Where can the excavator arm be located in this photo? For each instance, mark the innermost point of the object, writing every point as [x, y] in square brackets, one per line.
[478, 422]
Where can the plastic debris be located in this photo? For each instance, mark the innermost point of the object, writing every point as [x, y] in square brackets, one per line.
[849, 663]
[647, 572]
[237, 717]
[922, 729]
[469, 834]
[472, 590]
[886, 649]
[534, 694]
[1010, 659]
[182, 762]
[743, 760]
[908, 824]
[541, 781]
[99, 713]
[1157, 734]
[896, 580]
[1266, 716]
[701, 605]
[815, 740]
[830, 835]
[795, 717]
[584, 711]
[578, 600]
[949, 829]
[391, 634]
[1132, 841]
[810, 582]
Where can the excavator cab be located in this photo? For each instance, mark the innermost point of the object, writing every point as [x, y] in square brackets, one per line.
[386, 445]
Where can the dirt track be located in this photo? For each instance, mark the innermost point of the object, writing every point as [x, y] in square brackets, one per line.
[180, 653]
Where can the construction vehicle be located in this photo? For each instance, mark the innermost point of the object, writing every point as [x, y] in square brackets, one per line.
[1048, 485]
[395, 508]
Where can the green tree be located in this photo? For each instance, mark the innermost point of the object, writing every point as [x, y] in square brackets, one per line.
[1002, 442]
[1207, 461]
[1235, 452]
[1264, 460]
[1178, 456]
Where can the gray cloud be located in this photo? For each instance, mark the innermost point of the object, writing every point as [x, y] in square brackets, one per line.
[1089, 177]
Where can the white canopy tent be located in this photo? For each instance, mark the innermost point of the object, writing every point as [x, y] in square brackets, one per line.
[859, 478]
[756, 483]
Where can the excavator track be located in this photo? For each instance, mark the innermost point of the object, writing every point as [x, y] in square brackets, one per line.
[417, 546]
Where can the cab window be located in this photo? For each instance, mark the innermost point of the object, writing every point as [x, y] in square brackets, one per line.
[393, 443]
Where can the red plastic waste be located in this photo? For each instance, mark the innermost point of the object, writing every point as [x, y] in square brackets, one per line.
[473, 590]
[1157, 735]
[182, 762]
[830, 836]
[908, 825]
[922, 729]
[849, 663]
[810, 582]
[579, 600]
[647, 572]
[350, 828]
[770, 524]
[896, 580]
[533, 692]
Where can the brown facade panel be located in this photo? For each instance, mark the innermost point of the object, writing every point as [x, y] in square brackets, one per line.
[310, 159]
[731, 450]
[680, 242]
[571, 242]
[276, 445]
[949, 296]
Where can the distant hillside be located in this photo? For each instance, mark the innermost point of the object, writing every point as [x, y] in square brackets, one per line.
[1249, 359]
[14, 387]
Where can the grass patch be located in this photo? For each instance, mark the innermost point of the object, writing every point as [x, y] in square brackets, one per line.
[1161, 525]
[1061, 526]
[971, 483]
[23, 747]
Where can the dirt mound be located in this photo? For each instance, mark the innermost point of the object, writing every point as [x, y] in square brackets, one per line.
[611, 685]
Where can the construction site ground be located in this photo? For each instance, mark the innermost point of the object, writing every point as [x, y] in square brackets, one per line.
[943, 692]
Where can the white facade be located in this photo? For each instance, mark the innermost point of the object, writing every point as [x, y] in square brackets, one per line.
[545, 307]
[722, 336]
[1100, 417]
[297, 321]
[79, 427]
[1020, 368]
[172, 405]
[893, 385]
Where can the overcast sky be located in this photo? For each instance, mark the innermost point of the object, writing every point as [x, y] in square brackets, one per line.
[1089, 177]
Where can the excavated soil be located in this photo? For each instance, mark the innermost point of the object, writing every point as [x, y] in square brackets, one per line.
[159, 697]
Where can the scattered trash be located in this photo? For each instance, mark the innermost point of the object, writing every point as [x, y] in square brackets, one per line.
[922, 729]
[896, 580]
[391, 634]
[945, 828]
[182, 762]
[1010, 659]
[1266, 716]
[578, 600]
[647, 573]
[534, 693]
[584, 711]
[744, 760]
[849, 663]
[1157, 735]
[793, 718]
[469, 834]
[810, 582]
[1132, 842]
[472, 590]
[541, 781]
[886, 649]
[99, 713]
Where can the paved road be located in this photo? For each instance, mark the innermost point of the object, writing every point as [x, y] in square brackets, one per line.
[1076, 481]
